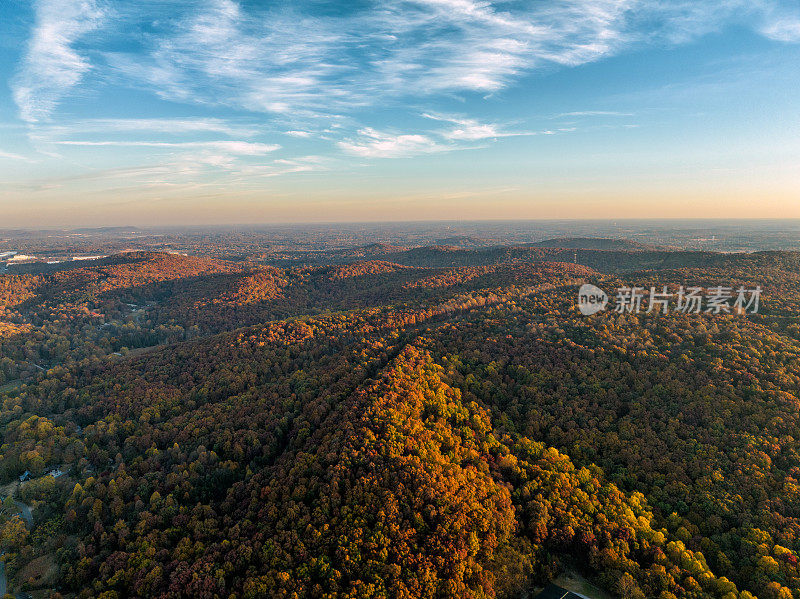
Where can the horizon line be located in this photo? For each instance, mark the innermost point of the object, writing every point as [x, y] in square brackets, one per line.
[406, 222]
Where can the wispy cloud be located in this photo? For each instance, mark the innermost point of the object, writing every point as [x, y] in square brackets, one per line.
[175, 126]
[287, 166]
[184, 170]
[298, 133]
[51, 66]
[297, 69]
[466, 129]
[377, 144]
[462, 134]
[264, 61]
[582, 113]
[242, 148]
[285, 58]
[282, 60]
[12, 156]
[782, 25]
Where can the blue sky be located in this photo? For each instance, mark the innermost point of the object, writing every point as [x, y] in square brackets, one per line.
[154, 112]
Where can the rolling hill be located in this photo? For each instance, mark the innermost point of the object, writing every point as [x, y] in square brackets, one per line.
[382, 428]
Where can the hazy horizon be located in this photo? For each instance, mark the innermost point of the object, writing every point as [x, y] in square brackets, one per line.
[778, 222]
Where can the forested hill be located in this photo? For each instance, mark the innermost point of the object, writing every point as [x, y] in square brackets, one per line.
[594, 243]
[605, 255]
[382, 429]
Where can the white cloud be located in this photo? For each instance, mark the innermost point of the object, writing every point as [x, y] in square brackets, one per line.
[466, 129]
[376, 144]
[282, 61]
[281, 58]
[163, 125]
[196, 170]
[464, 134]
[284, 166]
[581, 113]
[474, 131]
[217, 53]
[51, 66]
[12, 156]
[195, 157]
[241, 148]
[783, 26]
[308, 69]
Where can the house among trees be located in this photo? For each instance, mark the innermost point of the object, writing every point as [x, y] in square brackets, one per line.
[552, 591]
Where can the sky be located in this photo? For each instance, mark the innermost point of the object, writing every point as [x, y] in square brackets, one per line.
[155, 112]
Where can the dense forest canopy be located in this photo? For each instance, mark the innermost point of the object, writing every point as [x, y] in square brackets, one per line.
[390, 422]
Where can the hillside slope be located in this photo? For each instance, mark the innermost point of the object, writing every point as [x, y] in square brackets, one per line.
[435, 432]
